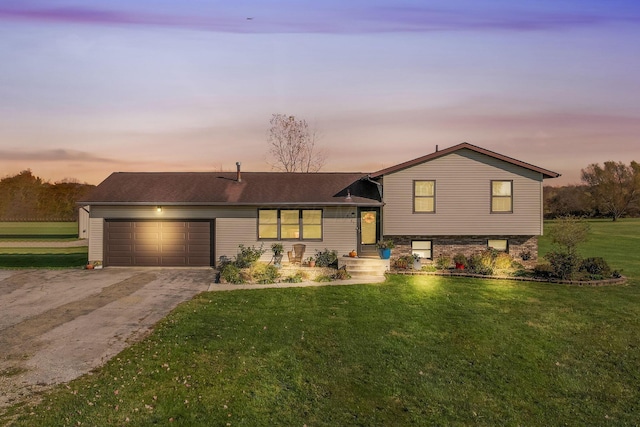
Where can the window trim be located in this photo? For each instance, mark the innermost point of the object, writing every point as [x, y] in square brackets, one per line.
[413, 200]
[491, 196]
[423, 240]
[300, 225]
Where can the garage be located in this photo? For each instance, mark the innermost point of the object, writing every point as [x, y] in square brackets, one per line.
[170, 243]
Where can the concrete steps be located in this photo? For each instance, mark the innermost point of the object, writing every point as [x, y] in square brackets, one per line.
[364, 267]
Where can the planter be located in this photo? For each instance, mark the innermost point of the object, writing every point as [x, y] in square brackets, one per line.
[417, 265]
[385, 253]
[459, 266]
[312, 263]
[89, 267]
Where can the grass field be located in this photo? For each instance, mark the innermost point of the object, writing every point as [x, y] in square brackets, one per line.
[415, 350]
[43, 257]
[38, 230]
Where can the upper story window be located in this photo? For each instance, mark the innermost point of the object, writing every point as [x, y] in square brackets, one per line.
[501, 196]
[290, 224]
[424, 196]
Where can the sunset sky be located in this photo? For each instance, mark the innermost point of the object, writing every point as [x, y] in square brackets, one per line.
[89, 88]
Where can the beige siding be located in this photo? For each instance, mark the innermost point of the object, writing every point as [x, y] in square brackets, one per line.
[463, 198]
[339, 233]
[96, 233]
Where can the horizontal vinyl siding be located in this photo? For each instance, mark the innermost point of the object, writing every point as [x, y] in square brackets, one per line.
[339, 233]
[96, 239]
[463, 198]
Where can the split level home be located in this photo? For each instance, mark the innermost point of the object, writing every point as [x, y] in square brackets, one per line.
[460, 199]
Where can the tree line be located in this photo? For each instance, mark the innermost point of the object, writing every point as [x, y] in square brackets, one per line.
[608, 191]
[25, 197]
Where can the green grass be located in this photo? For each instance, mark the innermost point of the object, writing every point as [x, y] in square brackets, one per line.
[415, 350]
[38, 230]
[43, 257]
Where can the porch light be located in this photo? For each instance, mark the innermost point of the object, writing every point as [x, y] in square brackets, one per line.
[159, 209]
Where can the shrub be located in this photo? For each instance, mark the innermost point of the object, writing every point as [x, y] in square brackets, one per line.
[297, 277]
[263, 273]
[564, 264]
[342, 274]
[595, 266]
[503, 261]
[327, 258]
[323, 278]
[430, 268]
[526, 255]
[230, 273]
[482, 262]
[248, 256]
[443, 262]
[543, 271]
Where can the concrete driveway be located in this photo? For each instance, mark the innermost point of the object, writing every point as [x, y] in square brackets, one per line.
[56, 325]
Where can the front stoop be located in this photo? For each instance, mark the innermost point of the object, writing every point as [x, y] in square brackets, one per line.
[364, 267]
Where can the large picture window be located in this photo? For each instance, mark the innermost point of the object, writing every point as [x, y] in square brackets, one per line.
[501, 196]
[290, 224]
[424, 196]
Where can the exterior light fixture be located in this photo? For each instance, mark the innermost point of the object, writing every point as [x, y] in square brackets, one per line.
[159, 209]
[348, 198]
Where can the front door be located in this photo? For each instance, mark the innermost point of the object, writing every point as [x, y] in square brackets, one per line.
[368, 231]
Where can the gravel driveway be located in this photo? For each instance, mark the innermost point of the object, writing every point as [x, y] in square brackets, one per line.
[56, 325]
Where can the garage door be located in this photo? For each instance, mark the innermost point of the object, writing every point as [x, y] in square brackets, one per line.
[158, 243]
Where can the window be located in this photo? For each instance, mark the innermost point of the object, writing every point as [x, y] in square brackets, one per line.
[501, 245]
[267, 224]
[424, 196]
[290, 224]
[501, 196]
[422, 248]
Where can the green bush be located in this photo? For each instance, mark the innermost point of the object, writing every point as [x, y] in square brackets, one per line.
[543, 271]
[481, 263]
[564, 264]
[263, 273]
[230, 273]
[503, 261]
[248, 256]
[595, 266]
[323, 278]
[327, 258]
[297, 277]
[443, 262]
[403, 263]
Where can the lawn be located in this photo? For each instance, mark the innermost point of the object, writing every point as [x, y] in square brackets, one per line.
[38, 230]
[43, 257]
[411, 351]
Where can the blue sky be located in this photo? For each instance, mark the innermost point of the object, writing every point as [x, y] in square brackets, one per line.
[91, 88]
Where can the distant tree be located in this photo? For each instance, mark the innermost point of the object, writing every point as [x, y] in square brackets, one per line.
[567, 200]
[293, 145]
[614, 188]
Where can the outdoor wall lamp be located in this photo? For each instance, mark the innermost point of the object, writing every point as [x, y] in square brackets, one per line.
[159, 209]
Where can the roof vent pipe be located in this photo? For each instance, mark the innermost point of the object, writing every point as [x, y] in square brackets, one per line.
[238, 176]
[436, 148]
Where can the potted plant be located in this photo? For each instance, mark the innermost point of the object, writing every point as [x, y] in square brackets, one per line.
[311, 261]
[385, 246]
[416, 262]
[460, 260]
[277, 249]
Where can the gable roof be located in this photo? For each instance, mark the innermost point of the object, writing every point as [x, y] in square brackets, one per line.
[465, 145]
[223, 188]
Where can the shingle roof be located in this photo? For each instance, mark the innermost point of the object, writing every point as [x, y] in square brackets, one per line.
[465, 145]
[222, 188]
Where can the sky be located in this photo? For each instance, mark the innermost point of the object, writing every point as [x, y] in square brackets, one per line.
[91, 88]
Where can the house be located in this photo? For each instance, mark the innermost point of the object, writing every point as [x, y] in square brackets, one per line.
[460, 199]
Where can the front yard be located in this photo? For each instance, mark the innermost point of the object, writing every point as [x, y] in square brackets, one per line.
[415, 350]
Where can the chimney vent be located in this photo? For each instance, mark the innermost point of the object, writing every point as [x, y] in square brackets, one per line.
[436, 148]
[238, 175]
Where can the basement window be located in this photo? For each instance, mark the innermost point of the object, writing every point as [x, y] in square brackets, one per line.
[422, 248]
[501, 245]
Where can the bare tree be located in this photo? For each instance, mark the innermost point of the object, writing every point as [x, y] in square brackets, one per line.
[615, 188]
[293, 145]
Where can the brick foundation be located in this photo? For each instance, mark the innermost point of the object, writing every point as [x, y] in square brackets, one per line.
[518, 246]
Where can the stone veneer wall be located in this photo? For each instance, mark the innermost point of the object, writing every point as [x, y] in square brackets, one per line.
[467, 245]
